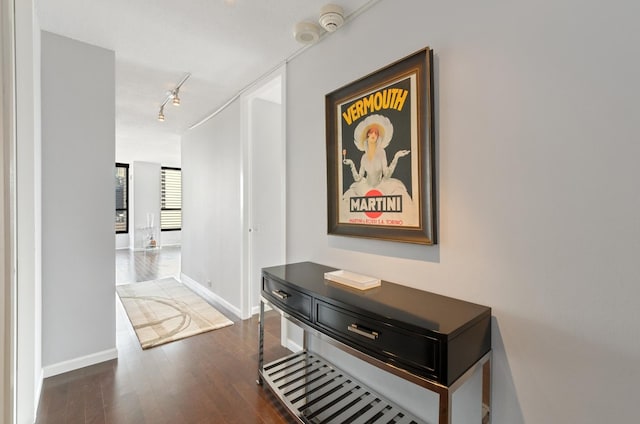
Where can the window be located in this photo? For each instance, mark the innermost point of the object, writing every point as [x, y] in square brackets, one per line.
[122, 198]
[171, 199]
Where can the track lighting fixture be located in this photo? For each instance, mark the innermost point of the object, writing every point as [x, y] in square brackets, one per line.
[173, 96]
[176, 99]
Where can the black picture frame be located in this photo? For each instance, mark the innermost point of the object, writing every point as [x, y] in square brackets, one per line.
[388, 112]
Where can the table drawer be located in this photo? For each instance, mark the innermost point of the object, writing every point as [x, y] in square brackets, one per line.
[291, 300]
[397, 343]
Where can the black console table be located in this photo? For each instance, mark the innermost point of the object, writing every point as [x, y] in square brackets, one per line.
[431, 340]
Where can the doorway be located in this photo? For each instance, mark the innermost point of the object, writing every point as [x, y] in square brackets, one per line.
[263, 134]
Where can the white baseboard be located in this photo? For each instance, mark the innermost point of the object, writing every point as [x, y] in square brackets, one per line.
[256, 309]
[285, 337]
[293, 347]
[209, 295]
[77, 363]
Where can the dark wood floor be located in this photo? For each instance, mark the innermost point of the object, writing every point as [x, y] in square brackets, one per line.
[208, 378]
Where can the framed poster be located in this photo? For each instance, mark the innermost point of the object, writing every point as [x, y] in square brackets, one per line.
[380, 154]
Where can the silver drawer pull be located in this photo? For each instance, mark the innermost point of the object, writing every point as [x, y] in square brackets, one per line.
[280, 294]
[373, 335]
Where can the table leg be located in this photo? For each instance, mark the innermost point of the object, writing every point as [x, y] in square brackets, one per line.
[260, 343]
[486, 392]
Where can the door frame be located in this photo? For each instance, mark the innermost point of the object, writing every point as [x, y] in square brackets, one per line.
[250, 306]
[8, 286]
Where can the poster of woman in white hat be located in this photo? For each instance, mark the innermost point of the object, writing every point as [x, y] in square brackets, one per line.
[375, 197]
[377, 157]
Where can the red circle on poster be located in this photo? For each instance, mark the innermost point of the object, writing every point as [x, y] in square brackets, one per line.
[373, 214]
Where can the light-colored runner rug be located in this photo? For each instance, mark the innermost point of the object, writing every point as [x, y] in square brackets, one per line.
[162, 311]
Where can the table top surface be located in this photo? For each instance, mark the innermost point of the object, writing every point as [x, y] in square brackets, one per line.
[441, 314]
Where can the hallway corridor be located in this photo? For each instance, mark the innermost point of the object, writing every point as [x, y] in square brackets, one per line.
[208, 378]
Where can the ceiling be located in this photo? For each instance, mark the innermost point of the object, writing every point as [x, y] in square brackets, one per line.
[224, 44]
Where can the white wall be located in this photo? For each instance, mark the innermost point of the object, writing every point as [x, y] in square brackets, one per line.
[78, 127]
[537, 151]
[7, 136]
[130, 150]
[122, 240]
[211, 205]
[28, 212]
[144, 202]
[171, 238]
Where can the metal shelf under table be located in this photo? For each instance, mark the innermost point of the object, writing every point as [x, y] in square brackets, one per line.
[317, 392]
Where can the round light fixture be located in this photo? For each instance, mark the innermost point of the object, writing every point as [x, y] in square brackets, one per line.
[306, 32]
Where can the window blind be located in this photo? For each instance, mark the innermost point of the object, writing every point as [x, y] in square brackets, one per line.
[171, 199]
[122, 198]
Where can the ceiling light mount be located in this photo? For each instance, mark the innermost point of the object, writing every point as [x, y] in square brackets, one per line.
[306, 32]
[331, 17]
